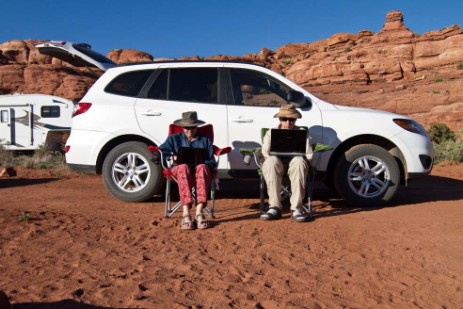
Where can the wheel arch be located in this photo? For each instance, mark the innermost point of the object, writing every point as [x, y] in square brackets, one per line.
[367, 139]
[115, 142]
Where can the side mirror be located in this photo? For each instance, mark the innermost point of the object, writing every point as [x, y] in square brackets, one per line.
[297, 98]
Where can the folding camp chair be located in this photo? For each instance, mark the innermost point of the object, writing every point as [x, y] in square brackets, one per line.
[256, 153]
[206, 130]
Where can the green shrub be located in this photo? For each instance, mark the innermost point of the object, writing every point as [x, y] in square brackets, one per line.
[287, 63]
[440, 132]
[450, 151]
[24, 216]
[38, 159]
[460, 66]
[447, 146]
[6, 157]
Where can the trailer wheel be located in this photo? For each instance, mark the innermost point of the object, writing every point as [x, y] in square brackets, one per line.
[366, 175]
[130, 174]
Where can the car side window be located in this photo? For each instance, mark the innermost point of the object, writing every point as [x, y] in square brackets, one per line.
[257, 89]
[128, 84]
[187, 85]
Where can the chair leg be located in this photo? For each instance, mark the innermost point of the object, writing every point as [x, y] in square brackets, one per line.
[309, 192]
[167, 210]
[210, 210]
[262, 194]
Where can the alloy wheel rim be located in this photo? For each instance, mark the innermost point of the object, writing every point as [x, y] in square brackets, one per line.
[369, 176]
[130, 172]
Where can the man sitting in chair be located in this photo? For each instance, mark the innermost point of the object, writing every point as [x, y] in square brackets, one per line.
[188, 175]
[297, 168]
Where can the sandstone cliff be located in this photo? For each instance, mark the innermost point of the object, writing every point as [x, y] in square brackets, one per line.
[395, 70]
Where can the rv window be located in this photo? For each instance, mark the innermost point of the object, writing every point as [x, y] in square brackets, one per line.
[50, 112]
[4, 116]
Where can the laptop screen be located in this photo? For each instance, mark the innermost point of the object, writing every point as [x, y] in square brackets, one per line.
[191, 156]
[288, 142]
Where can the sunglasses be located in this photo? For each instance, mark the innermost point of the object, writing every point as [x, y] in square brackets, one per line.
[287, 119]
[190, 128]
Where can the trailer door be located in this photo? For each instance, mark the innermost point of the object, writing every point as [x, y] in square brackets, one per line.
[6, 126]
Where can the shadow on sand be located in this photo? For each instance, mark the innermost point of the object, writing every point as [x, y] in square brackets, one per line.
[63, 304]
[21, 182]
[328, 203]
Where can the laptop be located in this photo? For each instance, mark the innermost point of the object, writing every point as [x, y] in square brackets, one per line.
[284, 142]
[191, 156]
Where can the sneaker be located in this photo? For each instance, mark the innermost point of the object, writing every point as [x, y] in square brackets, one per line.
[272, 214]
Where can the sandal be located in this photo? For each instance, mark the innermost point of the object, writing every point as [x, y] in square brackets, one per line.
[187, 225]
[301, 216]
[273, 213]
[203, 223]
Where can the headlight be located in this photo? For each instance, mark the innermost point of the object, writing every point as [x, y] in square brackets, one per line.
[411, 125]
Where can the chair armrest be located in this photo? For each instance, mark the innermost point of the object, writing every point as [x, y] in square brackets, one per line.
[156, 151]
[221, 151]
[251, 152]
[319, 147]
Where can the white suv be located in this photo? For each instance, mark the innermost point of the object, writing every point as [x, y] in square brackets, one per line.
[130, 108]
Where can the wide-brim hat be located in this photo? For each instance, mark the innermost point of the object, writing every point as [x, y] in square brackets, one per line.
[288, 111]
[189, 119]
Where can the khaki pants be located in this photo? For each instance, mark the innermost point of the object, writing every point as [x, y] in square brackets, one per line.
[273, 170]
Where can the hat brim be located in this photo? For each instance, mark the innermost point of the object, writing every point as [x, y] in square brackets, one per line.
[180, 123]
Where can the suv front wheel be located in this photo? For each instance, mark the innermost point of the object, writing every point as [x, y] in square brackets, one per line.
[130, 174]
[366, 175]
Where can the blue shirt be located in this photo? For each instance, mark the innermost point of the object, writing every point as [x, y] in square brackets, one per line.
[175, 141]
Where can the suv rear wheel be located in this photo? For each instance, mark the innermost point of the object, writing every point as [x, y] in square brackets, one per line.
[130, 174]
[366, 175]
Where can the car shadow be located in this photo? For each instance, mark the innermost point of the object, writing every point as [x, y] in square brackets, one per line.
[327, 203]
[421, 190]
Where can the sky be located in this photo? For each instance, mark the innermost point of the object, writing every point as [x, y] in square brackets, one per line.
[177, 28]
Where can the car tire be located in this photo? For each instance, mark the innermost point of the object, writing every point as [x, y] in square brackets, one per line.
[366, 175]
[130, 173]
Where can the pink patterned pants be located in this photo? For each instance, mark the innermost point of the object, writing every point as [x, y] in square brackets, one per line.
[201, 179]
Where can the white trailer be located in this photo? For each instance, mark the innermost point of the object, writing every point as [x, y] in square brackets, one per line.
[31, 121]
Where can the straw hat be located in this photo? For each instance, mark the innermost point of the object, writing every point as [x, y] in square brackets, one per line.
[189, 119]
[288, 111]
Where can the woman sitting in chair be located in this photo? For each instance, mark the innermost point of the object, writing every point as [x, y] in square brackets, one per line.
[190, 175]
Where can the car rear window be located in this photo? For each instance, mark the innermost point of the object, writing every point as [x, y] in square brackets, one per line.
[129, 84]
[85, 49]
[187, 85]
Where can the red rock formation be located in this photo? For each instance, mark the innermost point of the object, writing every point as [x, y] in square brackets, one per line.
[395, 70]
[128, 56]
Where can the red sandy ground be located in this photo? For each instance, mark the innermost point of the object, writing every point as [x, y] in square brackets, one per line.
[82, 248]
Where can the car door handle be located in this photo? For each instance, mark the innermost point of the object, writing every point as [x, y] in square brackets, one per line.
[243, 120]
[150, 113]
